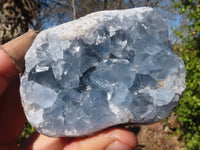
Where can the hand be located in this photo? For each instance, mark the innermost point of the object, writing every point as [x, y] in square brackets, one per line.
[13, 119]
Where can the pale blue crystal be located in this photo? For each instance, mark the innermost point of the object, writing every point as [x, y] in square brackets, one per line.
[105, 69]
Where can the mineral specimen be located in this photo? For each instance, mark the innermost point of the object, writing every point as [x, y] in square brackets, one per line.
[104, 69]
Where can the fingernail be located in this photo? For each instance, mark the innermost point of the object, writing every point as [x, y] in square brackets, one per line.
[118, 146]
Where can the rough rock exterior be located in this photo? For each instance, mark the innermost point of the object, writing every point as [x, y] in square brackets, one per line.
[104, 69]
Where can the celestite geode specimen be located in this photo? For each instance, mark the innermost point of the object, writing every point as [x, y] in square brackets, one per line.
[104, 69]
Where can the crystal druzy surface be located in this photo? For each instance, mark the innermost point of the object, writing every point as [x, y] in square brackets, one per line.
[104, 69]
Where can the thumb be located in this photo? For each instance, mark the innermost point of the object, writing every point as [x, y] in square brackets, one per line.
[12, 57]
[7, 70]
[18, 47]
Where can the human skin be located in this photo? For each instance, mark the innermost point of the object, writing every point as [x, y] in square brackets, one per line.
[13, 119]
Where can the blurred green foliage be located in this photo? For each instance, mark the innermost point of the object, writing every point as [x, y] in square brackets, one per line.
[189, 106]
[28, 130]
[189, 49]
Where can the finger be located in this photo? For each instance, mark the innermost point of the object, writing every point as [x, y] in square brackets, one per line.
[112, 139]
[11, 114]
[41, 142]
[116, 139]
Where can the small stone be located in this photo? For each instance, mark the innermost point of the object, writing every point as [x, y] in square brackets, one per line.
[104, 69]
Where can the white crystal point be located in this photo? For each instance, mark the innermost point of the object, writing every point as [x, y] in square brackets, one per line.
[104, 69]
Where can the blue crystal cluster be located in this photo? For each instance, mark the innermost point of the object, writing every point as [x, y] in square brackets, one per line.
[108, 68]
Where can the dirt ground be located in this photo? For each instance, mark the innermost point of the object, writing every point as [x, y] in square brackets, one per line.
[159, 136]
